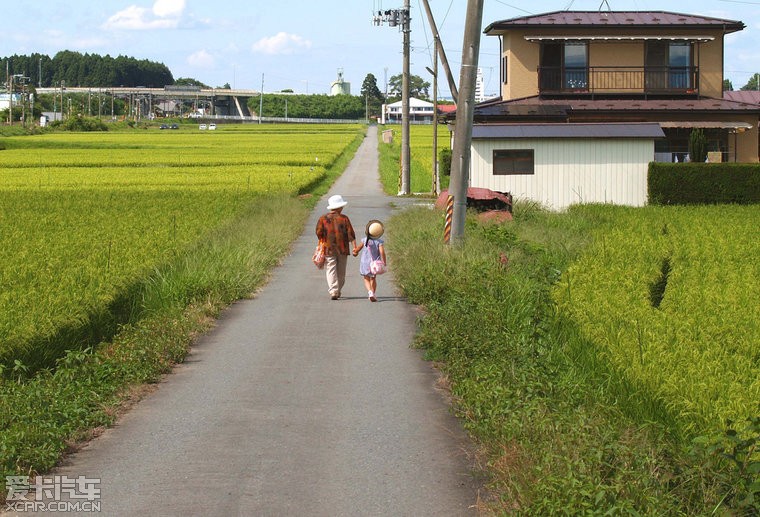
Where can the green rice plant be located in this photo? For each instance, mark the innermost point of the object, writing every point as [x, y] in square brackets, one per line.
[696, 348]
[81, 232]
[421, 154]
[565, 428]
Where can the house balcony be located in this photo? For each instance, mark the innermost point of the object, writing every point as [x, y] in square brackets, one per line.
[619, 80]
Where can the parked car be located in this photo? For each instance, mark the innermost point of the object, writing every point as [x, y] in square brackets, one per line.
[202, 127]
[211, 127]
[164, 126]
[174, 126]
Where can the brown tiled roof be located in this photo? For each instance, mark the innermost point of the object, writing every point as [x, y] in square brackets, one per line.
[696, 104]
[537, 108]
[627, 19]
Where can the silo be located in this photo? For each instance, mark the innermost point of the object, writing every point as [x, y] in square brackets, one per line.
[339, 86]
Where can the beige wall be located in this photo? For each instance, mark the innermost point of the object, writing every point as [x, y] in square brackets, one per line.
[522, 66]
[523, 57]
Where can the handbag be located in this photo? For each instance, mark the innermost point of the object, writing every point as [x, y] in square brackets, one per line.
[376, 266]
[319, 256]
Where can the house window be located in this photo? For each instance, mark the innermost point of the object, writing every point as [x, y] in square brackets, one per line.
[504, 75]
[564, 66]
[668, 65]
[512, 161]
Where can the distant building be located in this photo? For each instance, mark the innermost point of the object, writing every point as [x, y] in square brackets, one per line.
[420, 112]
[339, 86]
[5, 100]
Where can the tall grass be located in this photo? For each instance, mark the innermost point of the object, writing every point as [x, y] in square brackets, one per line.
[41, 415]
[563, 432]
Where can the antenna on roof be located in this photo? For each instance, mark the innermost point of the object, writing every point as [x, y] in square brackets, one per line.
[604, 2]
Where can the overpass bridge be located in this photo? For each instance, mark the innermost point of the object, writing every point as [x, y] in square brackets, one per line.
[169, 100]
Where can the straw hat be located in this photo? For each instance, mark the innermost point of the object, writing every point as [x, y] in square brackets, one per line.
[336, 202]
[375, 229]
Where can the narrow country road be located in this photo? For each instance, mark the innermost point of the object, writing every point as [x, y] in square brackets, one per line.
[295, 404]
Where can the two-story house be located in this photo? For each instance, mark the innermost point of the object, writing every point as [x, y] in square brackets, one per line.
[588, 99]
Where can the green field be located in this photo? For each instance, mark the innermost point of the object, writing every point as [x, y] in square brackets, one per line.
[421, 154]
[584, 397]
[87, 215]
[669, 297]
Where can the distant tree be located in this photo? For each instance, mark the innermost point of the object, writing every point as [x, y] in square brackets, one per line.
[187, 81]
[287, 90]
[226, 86]
[310, 106]
[372, 95]
[418, 87]
[727, 85]
[753, 83]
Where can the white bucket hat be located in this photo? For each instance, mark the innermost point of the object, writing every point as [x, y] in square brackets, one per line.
[336, 202]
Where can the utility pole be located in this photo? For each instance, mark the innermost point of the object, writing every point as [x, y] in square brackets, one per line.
[395, 17]
[460, 156]
[434, 72]
[261, 98]
[405, 151]
[441, 52]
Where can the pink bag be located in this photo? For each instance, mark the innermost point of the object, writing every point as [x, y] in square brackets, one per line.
[319, 256]
[377, 267]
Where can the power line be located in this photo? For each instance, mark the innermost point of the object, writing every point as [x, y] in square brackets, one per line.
[512, 6]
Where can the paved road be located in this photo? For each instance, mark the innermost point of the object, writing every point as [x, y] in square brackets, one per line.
[295, 405]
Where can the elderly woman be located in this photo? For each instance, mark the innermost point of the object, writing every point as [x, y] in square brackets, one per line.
[335, 231]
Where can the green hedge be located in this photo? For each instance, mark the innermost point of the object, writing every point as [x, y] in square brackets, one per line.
[444, 162]
[703, 183]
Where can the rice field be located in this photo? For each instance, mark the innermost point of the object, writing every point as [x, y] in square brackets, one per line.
[86, 215]
[669, 296]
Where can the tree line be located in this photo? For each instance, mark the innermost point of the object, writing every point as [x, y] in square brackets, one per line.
[76, 69]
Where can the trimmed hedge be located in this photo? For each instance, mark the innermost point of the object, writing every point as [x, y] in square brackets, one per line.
[703, 183]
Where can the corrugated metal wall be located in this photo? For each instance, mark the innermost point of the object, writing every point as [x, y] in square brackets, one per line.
[568, 171]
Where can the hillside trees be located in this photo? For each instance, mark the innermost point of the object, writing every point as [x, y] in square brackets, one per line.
[76, 69]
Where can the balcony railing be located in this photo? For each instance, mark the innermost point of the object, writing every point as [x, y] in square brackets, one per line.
[619, 79]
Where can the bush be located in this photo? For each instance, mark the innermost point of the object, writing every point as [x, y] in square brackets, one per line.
[444, 162]
[703, 183]
[81, 124]
[697, 145]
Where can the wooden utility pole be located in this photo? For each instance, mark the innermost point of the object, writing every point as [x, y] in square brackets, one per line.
[405, 140]
[460, 154]
[434, 73]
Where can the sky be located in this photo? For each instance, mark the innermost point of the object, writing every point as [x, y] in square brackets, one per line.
[302, 44]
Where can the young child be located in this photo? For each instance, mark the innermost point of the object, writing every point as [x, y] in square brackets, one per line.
[371, 248]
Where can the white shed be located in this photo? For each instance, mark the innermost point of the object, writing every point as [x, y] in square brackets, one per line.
[562, 164]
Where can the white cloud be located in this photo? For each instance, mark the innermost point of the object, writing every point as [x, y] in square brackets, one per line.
[165, 14]
[166, 8]
[201, 59]
[281, 43]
